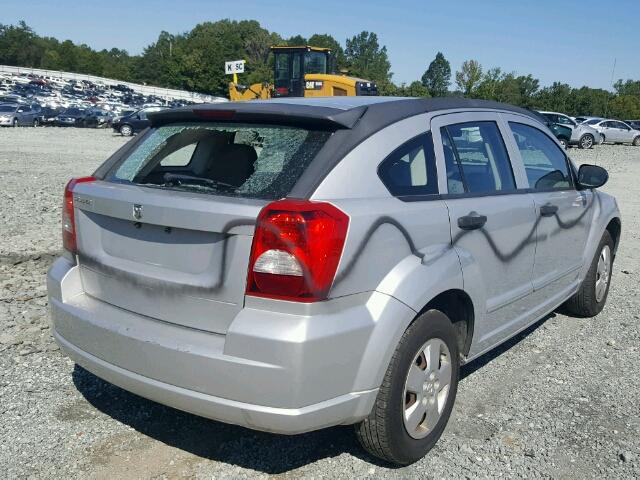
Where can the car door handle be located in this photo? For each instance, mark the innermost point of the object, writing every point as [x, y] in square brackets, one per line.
[473, 221]
[548, 210]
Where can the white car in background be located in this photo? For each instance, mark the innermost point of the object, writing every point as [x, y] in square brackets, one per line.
[615, 131]
[582, 135]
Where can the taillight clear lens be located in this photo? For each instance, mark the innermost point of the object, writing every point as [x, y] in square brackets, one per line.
[69, 241]
[296, 250]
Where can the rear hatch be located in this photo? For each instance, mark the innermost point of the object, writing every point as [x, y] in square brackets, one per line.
[167, 231]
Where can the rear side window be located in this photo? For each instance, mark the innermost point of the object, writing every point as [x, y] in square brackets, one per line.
[476, 158]
[544, 161]
[410, 170]
[240, 160]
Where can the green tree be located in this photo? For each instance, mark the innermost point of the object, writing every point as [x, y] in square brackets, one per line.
[414, 89]
[438, 76]
[297, 41]
[557, 97]
[469, 77]
[366, 59]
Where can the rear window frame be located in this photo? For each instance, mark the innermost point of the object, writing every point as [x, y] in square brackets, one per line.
[106, 172]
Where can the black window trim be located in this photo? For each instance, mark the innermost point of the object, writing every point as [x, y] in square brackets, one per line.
[425, 140]
[567, 162]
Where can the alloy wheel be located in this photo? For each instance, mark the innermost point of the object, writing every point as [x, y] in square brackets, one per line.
[426, 388]
[586, 141]
[603, 273]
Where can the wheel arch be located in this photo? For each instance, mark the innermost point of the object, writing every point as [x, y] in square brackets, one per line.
[614, 227]
[457, 305]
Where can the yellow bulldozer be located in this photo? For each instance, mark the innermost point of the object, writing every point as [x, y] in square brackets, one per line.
[302, 72]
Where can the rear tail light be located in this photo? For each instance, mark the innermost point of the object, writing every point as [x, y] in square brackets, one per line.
[296, 249]
[282, 91]
[68, 217]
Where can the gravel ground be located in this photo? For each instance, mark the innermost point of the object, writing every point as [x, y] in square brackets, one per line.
[561, 400]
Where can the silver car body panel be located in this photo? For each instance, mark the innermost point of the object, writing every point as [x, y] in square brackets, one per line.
[173, 324]
[615, 131]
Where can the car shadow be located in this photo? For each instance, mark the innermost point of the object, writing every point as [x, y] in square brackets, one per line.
[231, 444]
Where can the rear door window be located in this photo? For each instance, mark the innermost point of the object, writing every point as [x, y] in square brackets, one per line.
[544, 161]
[411, 170]
[476, 158]
[240, 160]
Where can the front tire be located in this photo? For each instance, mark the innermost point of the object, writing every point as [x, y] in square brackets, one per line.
[592, 296]
[586, 141]
[126, 130]
[564, 142]
[417, 394]
[15, 122]
[36, 122]
[602, 139]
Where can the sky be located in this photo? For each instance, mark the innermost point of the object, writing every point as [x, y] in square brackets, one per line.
[571, 41]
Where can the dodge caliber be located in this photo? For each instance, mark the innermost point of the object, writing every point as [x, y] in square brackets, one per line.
[289, 265]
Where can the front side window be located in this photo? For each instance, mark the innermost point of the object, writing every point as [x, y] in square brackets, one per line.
[566, 121]
[411, 170]
[238, 160]
[476, 158]
[282, 66]
[544, 161]
[315, 62]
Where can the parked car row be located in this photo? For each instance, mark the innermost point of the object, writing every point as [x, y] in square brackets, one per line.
[31, 100]
[611, 130]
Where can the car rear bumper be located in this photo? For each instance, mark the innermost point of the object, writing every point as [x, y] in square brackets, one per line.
[279, 372]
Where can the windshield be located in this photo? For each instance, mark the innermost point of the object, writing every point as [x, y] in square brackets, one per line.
[315, 62]
[8, 108]
[249, 161]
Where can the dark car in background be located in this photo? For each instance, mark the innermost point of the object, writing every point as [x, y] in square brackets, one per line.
[635, 124]
[71, 117]
[135, 122]
[95, 118]
[47, 116]
[14, 115]
[561, 132]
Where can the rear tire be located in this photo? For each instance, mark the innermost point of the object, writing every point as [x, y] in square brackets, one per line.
[564, 142]
[636, 141]
[602, 139]
[590, 299]
[586, 141]
[126, 130]
[35, 122]
[15, 122]
[388, 432]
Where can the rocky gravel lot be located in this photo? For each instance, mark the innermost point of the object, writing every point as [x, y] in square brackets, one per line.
[561, 400]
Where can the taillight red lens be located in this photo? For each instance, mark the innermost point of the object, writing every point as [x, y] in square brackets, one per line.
[68, 217]
[282, 91]
[296, 249]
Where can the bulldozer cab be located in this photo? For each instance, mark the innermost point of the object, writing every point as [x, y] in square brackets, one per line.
[291, 64]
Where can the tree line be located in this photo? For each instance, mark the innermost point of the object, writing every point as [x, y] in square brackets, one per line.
[194, 61]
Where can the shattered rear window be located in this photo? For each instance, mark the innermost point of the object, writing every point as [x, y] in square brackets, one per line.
[242, 160]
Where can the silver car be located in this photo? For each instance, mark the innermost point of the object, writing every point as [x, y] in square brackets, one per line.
[582, 135]
[18, 115]
[292, 264]
[615, 131]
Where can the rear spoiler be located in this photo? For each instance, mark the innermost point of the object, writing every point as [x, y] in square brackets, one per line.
[272, 113]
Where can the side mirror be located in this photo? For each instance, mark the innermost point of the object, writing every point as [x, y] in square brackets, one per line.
[592, 176]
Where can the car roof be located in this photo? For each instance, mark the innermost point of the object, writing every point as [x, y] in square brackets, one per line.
[329, 112]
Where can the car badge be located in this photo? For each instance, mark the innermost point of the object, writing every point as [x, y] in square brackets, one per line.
[137, 211]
